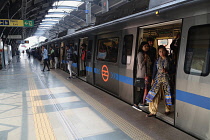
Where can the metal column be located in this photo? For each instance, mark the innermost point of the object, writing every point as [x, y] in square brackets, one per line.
[23, 8]
[88, 11]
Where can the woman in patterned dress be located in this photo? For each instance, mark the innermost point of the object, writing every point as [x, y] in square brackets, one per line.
[160, 80]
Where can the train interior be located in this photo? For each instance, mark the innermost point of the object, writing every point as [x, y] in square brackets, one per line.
[164, 34]
[82, 62]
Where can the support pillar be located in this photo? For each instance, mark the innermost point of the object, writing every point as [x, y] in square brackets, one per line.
[88, 11]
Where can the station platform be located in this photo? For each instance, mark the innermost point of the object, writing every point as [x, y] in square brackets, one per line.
[38, 105]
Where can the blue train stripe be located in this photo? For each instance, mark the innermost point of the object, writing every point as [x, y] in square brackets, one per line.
[125, 79]
[74, 65]
[121, 78]
[98, 71]
[89, 69]
[193, 99]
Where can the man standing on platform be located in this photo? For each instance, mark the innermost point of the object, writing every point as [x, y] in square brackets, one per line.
[45, 58]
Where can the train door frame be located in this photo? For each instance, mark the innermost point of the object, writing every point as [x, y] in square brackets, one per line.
[126, 69]
[82, 64]
[89, 59]
[141, 37]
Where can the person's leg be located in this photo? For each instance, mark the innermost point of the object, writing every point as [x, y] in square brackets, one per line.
[70, 71]
[47, 64]
[167, 99]
[45, 61]
[153, 106]
[56, 62]
[51, 63]
[137, 97]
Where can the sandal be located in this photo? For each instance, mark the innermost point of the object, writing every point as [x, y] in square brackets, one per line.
[151, 115]
[167, 113]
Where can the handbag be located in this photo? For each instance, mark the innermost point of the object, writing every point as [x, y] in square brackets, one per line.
[139, 82]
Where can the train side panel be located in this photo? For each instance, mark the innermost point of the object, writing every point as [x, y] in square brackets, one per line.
[126, 64]
[106, 63]
[193, 79]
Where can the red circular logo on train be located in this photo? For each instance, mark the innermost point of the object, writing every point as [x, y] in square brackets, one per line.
[105, 73]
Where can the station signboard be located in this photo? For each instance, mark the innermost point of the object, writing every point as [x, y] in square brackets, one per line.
[16, 23]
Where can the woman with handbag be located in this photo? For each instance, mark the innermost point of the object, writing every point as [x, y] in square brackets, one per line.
[143, 69]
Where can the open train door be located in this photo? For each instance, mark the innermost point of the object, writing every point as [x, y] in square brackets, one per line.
[82, 57]
[164, 33]
[192, 87]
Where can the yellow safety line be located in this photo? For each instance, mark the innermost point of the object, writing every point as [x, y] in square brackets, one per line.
[121, 123]
[42, 124]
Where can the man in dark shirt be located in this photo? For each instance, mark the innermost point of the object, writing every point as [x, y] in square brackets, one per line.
[152, 50]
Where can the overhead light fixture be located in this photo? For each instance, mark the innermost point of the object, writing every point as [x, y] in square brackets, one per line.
[55, 15]
[45, 25]
[60, 10]
[51, 20]
[68, 3]
[48, 23]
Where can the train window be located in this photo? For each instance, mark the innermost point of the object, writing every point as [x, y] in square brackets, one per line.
[108, 49]
[198, 51]
[127, 49]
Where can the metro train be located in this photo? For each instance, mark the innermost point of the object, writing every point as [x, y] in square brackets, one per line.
[111, 57]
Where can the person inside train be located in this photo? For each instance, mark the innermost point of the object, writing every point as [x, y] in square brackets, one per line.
[45, 58]
[152, 50]
[174, 47]
[69, 56]
[52, 59]
[160, 80]
[143, 72]
[56, 55]
[83, 58]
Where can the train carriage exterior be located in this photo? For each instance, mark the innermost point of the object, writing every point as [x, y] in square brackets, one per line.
[116, 73]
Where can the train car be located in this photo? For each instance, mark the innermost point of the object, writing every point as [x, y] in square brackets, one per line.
[111, 50]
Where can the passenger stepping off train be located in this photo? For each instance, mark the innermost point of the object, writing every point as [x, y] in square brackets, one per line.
[160, 80]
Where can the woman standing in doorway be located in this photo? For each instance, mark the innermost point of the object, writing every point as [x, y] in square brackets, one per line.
[143, 72]
[160, 80]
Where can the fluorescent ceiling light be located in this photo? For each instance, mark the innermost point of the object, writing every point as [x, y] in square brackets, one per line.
[60, 10]
[48, 23]
[68, 3]
[51, 20]
[55, 15]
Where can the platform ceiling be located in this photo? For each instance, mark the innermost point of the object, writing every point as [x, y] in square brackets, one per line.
[37, 9]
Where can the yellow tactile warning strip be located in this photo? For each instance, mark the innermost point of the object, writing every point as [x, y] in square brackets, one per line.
[122, 124]
[42, 124]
